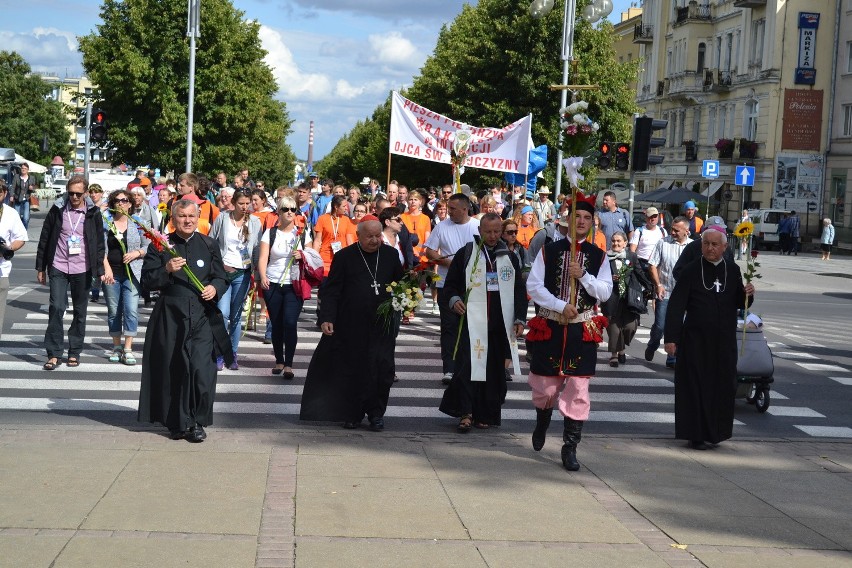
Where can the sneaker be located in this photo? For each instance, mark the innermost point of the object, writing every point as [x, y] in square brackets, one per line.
[447, 378]
[234, 366]
[115, 354]
[220, 363]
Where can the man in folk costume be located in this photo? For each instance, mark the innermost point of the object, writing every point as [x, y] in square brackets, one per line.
[495, 312]
[701, 324]
[351, 371]
[563, 337]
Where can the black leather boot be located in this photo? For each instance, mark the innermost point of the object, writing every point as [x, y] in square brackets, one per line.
[542, 423]
[571, 436]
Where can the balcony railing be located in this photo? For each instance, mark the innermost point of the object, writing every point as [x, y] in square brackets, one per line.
[643, 34]
[750, 3]
[693, 12]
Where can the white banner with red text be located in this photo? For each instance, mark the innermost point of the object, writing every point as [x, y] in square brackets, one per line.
[417, 132]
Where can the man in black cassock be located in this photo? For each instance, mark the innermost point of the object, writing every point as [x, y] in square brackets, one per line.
[352, 369]
[475, 395]
[701, 325]
[184, 331]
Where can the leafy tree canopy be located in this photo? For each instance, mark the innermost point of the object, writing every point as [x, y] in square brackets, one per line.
[493, 65]
[143, 80]
[28, 114]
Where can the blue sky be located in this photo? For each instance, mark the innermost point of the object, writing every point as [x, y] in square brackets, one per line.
[346, 52]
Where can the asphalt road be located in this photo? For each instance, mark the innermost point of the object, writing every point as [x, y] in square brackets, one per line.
[806, 306]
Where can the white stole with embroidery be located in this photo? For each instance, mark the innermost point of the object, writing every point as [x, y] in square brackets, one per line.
[477, 312]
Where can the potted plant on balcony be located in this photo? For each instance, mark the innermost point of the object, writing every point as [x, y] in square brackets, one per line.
[748, 148]
[725, 146]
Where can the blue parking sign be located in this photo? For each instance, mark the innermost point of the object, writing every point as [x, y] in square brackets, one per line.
[710, 169]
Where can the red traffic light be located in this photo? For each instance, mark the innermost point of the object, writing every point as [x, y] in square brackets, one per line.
[100, 118]
[622, 149]
[622, 156]
[605, 149]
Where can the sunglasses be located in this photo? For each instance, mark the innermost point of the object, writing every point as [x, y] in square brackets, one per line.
[122, 200]
[511, 232]
[75, 193]
[396, 219]
[289, 209]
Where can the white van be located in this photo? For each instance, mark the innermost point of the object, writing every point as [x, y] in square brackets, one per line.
[766, 227]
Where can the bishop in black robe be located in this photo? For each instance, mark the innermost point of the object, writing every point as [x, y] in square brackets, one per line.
[482, 399]
[178, 365]
[351, 371]
[701, 321]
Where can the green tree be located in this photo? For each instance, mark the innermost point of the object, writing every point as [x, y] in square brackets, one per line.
[143, 85]
[28, 114]
[491, 66]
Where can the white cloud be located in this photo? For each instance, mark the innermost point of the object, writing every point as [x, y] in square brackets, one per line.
[293, 83]
[345, 90]
[394, 51]
[45, 49]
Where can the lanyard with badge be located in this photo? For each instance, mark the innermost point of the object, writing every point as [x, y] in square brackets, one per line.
[491, 283]
[335, 244]
[242, 247]
[75, 241]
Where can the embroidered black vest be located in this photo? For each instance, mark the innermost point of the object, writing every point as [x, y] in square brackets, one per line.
[556, 278]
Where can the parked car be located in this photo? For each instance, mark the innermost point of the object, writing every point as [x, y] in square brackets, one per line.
[58, 186]
[766, 227]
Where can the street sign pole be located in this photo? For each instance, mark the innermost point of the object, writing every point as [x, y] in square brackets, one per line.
[88, 146]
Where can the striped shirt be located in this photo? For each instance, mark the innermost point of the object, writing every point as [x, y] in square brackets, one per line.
[664, 257]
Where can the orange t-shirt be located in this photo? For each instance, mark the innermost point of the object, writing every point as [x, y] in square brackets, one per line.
[207, 213]
[332, 230]
[419, 225]
[599, 239]
[525, 235]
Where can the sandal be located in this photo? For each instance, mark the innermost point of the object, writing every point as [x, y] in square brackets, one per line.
[613, 361]
[465, 423]
[278, 369]
[482, 426]
[73, 362]
[115, 355]
[51, 364]
[128, 358]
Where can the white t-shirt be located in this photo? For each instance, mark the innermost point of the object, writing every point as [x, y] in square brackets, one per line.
[646, 239]
[235, 243]
[448, 237]
[11, 229]
[397, 247]
[279, 255]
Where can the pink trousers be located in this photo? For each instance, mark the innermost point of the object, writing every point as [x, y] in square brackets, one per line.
[573, 400]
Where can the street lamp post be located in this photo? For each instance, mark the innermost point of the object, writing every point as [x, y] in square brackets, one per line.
[592, 12]
[193, 31]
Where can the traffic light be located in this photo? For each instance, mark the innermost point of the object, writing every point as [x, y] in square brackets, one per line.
[98, 129]
[622, 156]
[644, 142]
[605, 159]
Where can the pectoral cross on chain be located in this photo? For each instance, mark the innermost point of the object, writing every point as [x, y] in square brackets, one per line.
[715, 284]
[479, 348]
[375, 287]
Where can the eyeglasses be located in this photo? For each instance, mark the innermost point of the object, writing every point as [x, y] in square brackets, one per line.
[395, 219]
[446, 193]
[122, 200]
[511, 232]
[289, 209]
[75, 193]
[360, 211]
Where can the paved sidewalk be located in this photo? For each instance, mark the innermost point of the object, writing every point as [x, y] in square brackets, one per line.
[102, 496]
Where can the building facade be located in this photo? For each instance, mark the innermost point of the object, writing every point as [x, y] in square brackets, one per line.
[741, 82]
[73, 92]
[839, 153]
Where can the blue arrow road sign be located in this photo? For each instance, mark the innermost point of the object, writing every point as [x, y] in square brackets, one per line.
[745, 176]
[710, 169]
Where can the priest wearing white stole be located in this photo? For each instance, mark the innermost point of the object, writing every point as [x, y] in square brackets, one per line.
[494, 315]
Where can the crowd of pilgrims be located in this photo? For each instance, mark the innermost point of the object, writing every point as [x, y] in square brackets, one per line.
[273, 246]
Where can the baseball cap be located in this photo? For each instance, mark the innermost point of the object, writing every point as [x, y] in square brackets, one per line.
[651, 211]
[689, 205]
[716, 223]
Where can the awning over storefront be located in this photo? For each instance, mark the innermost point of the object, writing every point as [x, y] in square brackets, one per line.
[665, 185]
[713, 188]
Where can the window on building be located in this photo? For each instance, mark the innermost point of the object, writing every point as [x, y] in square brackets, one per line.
[723, 117]
[711, 125]
[847, 120]
[729, 48]
[702, 51]
[849, 56]
[758, 29]
[672, 130]
[752, 111]
[718, 60]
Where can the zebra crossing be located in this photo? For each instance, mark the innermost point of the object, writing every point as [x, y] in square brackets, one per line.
[637, 397]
